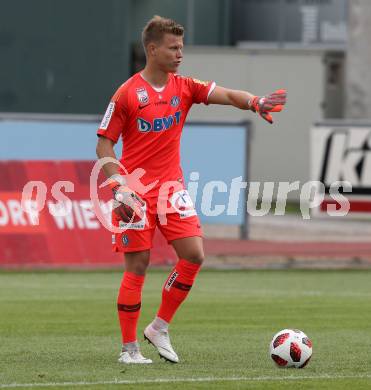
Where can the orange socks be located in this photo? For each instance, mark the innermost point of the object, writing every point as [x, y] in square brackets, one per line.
[176, 288]
[174, 292]
[128, 305]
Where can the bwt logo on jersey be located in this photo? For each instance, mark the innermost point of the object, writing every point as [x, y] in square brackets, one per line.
[346, 156]
[159, 124]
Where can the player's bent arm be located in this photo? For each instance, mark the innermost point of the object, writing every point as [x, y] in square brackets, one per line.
[122, 194]
[232, 97]
[105, 149]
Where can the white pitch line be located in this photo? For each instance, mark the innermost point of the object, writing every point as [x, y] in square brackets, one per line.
[177, 380]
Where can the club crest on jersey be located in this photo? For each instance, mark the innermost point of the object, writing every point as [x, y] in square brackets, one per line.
[142, 95]
[175, 101]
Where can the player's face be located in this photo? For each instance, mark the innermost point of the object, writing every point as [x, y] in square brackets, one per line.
[169, 53]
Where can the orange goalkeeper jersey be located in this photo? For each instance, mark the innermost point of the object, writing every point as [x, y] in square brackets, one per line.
[150, 122]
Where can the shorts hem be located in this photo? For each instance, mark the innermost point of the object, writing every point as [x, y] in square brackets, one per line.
[185, 236]
[127, 250]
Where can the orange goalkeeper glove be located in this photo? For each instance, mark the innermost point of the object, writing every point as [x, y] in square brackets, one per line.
[264, 105]
[128, 206]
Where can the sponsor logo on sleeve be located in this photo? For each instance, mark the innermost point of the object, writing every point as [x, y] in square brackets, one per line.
[197, 81]
[107, 116]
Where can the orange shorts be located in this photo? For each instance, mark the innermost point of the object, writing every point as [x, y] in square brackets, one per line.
[177, 220]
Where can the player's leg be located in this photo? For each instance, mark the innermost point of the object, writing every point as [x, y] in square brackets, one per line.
[129, 303]
[135, 243]
[185, 236]
[180, 281]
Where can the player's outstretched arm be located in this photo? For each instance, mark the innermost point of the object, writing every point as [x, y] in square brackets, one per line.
[263, 105]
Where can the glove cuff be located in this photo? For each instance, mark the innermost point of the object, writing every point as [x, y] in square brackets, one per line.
[253, 103]
[116, 181]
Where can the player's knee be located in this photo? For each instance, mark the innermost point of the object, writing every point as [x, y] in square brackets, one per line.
[137, 262]
[139, 269]
[197, 257]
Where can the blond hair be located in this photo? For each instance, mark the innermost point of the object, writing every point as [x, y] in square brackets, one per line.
[157, 27]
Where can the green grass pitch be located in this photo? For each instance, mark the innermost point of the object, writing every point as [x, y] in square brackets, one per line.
[59, 330]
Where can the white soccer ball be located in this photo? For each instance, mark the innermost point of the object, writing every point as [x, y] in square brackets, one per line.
[290, 348]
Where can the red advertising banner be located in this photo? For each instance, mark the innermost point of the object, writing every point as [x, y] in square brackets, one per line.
[76, 238]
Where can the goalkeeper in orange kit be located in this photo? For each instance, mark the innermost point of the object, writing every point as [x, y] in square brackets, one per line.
[148, 111]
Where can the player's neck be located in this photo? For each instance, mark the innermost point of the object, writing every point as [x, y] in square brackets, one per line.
[156, 77]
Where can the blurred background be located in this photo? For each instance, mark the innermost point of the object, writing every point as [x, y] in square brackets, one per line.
[61, 61]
